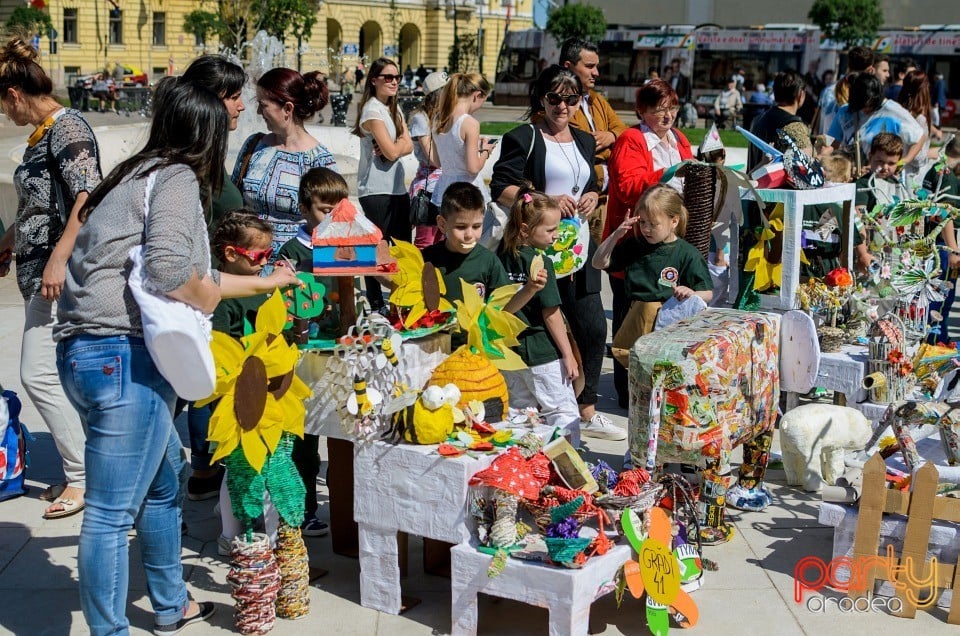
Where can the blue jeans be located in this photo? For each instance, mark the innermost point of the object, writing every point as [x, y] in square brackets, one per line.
[198, 423]
[136, 471]
[947, 305]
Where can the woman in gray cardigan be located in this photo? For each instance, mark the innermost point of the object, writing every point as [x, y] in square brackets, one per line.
[135, 462]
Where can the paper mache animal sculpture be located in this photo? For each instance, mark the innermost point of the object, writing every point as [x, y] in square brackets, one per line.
[813, 438]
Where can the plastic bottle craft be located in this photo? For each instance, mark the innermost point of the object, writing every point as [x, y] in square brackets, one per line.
[259, 411]
[363, 382]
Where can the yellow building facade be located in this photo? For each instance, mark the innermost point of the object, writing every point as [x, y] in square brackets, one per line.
[148, 34]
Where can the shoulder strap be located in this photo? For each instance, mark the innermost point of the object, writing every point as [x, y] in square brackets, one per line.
[247, 156]
[533, 140]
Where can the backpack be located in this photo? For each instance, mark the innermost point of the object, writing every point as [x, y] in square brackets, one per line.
[13, 448]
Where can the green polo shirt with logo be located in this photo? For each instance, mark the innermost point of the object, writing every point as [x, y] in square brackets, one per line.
[652, 271]
[479, 266]
[536, 345]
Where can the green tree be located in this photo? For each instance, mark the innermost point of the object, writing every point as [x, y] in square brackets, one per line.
[29, 20]
[203, 25]
[463, 54]
[577, 20]
[848, 22]
[282, 18]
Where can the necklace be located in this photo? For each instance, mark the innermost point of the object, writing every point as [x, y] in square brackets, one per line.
[42, 129]
[574, 165]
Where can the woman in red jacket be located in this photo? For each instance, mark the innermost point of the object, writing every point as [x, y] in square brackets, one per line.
[639, 158]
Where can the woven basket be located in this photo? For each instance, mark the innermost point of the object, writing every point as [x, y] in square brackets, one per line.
[856, 329]
[831, 339]
[638, 503]
[541, 513]
[699, 192]
[563, 550]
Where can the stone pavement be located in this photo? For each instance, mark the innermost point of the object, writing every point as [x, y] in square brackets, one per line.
[751, 593]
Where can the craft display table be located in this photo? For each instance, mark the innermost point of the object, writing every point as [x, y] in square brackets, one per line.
[410, 489]
[421, 357]
[567, 593]
[842, 372]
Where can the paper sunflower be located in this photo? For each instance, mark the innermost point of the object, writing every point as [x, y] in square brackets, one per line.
[420, 288]
[490, 330]
[260, 395]
[765, 259]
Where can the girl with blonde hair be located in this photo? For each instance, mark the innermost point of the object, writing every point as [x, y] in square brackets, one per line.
[457, 143]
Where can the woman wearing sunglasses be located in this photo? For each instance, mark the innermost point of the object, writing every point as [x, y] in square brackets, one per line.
[557, 159]
[384, 140]
[269, 167]
[637, 162]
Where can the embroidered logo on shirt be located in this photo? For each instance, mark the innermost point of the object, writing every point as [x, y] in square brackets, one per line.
[669, 276]
[481, 289]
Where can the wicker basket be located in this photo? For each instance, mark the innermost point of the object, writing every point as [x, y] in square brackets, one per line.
[699, 193]
[640, 503]
[831, 339]
[540, 510]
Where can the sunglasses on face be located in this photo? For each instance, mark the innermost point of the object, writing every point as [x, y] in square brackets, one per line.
[389, 78]
[255, 256]
[554, 99]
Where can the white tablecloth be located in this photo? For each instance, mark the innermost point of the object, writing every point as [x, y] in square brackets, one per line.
[412, 489]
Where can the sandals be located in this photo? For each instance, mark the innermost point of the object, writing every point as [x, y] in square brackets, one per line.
[50, 493]
[70, 507]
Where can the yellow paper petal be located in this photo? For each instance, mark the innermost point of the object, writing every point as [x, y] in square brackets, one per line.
[254, 449]
[272, 315]
[502, 295]
[417, 311]
[509, 362]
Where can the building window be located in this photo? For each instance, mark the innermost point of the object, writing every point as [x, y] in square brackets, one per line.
[159, 28]
[116, 26]
[69, 35]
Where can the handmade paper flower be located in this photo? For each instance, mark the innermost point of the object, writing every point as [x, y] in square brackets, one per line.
[420, 288]
[840, 277]
[260, 395]
[765, 258]
[490, 330]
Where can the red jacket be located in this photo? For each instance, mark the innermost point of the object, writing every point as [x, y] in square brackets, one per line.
[631, 173]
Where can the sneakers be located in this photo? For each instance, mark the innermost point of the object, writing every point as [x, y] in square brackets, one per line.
[224, 546]
[313, 527]
[206, 611]
[601, 427]
[200, 488]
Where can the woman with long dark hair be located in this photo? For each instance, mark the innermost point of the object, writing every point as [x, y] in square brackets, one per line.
[384, 140]
[225, 79]
[135, 463]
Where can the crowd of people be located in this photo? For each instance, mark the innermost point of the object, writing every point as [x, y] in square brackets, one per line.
[212, 231]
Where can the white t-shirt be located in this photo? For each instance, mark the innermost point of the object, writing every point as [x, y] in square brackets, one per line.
[419, 127]
[562, 165]
[377, 175]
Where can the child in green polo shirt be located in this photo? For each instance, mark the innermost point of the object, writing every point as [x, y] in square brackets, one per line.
[657, 263]
[321, 189]
[547, 381]
[459, 255]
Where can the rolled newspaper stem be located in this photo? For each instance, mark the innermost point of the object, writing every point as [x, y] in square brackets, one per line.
[875, 381]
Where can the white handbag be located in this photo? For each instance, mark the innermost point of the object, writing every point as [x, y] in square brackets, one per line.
[176, 334]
